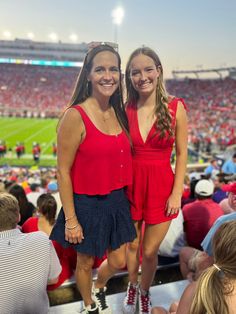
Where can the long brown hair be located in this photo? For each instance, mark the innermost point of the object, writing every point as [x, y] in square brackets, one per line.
[216, 282]
[47, 206]
[25, 206]
[83, 87]
[164, 118]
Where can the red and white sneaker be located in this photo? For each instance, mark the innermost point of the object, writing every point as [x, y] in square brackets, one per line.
[145, 305]
[131, 299]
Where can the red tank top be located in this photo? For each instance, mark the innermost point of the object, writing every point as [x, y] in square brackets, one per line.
[102, 162]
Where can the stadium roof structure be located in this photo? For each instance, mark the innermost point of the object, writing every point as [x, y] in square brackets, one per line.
[231, 71]
[28, 49]
[25, 51]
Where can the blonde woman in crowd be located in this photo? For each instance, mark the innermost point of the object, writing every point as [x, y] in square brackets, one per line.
[215, 290]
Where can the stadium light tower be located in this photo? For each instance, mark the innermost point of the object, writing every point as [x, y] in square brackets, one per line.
[73, 37]
[7, 34]
[30, 35]
[53, 37]
[117, 17]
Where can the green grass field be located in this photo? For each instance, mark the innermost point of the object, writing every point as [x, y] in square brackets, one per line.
[43, 131]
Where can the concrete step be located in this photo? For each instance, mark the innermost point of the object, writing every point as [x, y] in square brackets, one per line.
[162, 295]
[68, 292]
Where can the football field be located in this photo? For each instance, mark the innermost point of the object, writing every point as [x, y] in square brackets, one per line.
[28, 131]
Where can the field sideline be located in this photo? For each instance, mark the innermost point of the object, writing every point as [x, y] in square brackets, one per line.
[27, 130]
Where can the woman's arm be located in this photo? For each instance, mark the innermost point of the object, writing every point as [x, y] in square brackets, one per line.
[186, 299]
[181, 141]
[70, 134]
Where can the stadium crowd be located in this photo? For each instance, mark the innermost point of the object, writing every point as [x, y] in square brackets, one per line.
[41, 91]
[207, 196]
[45, 91]
[205, 200]
[212, 111]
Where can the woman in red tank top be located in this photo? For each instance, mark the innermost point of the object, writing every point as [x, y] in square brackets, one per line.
[94, 167]
[156, 122]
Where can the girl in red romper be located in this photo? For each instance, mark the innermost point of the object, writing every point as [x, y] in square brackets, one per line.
[156, 121]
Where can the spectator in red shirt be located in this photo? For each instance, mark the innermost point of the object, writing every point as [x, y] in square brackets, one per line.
[200, 215]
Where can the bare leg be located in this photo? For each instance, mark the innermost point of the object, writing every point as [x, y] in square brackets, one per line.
[133, 253]
[84, 277]
[153, 236]
[115, 260]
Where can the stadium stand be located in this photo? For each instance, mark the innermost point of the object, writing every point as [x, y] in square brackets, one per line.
[212, 111]
[37, 78]
[28, 90]
[45, 91]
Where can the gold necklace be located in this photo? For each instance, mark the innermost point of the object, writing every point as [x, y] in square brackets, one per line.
[105, 118]
[106, 115]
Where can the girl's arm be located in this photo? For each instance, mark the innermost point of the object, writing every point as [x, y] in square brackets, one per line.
[181, 141]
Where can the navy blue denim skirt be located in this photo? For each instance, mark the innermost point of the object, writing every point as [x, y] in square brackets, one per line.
[106, 223]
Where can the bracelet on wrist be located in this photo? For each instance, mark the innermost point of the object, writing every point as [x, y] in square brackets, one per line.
[69, 218]
[72, 228]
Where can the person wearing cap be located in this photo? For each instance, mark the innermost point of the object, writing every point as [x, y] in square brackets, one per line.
[52, 188]
[231, 189]
[229, 204]
[193, 261]
[200, 215]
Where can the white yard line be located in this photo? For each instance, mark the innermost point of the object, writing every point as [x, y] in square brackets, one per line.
[49, 144]
[39, 131]
[17, 131]
[5, 123]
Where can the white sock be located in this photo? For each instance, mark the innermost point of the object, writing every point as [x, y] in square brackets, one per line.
[135, 285]
[144, 292]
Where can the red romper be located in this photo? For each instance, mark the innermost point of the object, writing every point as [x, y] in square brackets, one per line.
[153, 177]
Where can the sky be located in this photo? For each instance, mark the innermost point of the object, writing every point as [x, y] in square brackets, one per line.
[186, 34]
